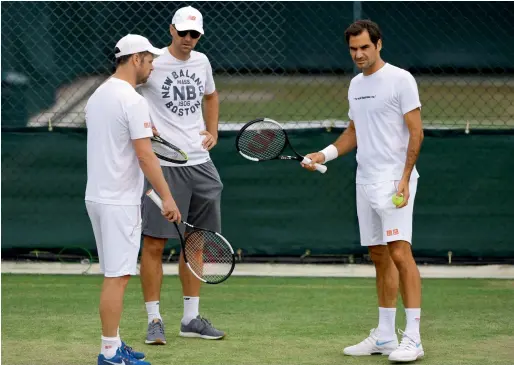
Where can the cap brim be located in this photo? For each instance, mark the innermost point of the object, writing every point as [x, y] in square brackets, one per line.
[189, 25]
[156, 51]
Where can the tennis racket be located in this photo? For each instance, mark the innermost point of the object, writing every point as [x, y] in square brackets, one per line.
[167, 151]
[207, 254]
[264, 139]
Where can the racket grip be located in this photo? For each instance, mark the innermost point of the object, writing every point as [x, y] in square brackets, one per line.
[319, 167]
[156, 199]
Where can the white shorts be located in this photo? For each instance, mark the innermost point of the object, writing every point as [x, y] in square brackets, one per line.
[379, 219]
[117, 230]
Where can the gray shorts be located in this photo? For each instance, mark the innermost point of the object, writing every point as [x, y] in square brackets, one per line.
[197, 192]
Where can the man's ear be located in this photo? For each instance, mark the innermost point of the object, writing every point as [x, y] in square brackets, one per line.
[136, 59]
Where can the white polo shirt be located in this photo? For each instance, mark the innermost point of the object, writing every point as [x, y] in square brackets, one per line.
[115, 115]
[174, 93]
[378, 103]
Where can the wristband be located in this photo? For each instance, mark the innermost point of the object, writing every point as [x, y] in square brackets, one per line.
[330, 153]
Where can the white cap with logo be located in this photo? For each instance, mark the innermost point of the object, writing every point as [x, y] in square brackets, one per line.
[133, 43]
[188, 18]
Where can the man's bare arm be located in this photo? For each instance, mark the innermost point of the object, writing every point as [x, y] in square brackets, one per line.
[151, 167]
[415, 125]
[347, 141]
[211, 113]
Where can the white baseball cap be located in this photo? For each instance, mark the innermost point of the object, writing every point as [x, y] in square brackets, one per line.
[188, 18]
[133, 43]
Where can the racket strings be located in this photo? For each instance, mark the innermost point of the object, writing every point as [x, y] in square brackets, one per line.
[208, 255]
[165, 151]
[262, 140]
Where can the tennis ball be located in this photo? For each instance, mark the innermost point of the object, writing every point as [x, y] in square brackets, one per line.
[397, 200]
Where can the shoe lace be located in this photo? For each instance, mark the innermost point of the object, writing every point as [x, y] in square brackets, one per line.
[206, 321]
[156, 328]
[127, 353]
[127, 348]
[407, 343]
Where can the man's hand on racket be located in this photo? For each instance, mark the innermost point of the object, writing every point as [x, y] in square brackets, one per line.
[209, 141]
[155, 132]
[316, 157]
[170, 210]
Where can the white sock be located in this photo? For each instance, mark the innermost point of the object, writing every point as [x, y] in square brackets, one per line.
[109, 346]
[153, 311]
[191, 305]
[386, 323]
[119, 338]
[413, 319]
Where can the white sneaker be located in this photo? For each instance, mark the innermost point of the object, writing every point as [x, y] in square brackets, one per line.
[408, 350]
[372, 345]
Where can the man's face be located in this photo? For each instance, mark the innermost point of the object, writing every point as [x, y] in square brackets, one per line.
[364, 53]
[186, 40]
[144, 66]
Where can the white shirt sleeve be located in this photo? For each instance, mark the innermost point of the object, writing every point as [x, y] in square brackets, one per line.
[210, 86]
[349, 104]
[408, 94]
[138, 116]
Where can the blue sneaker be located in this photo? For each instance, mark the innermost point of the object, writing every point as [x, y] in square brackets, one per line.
[121, 358]
[135, 354]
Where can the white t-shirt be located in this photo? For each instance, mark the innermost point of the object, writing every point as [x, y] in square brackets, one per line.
[174, 93]
[378, 103]
[115, 115]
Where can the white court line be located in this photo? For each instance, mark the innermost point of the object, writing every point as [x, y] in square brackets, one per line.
[280, 270]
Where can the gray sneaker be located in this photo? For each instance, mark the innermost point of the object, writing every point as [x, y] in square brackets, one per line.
[202, 328]
[155, 333]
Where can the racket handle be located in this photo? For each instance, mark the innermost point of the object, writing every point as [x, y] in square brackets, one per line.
[319, 167]
[156, 199]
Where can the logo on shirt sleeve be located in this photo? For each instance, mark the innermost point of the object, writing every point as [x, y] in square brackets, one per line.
[148, 125]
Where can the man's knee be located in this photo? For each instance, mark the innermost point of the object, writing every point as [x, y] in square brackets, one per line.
[379, 255]
[400, 252]
[116, 281]
[153, 246]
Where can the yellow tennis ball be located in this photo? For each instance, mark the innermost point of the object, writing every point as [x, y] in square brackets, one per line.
[397, 200]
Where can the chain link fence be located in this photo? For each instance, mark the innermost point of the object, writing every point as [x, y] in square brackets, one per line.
[283, 60]
[287, 61]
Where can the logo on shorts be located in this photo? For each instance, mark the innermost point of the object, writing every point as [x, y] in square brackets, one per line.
[392, 232]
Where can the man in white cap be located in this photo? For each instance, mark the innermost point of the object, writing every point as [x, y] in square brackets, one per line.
[119, 152]
[182, 80]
